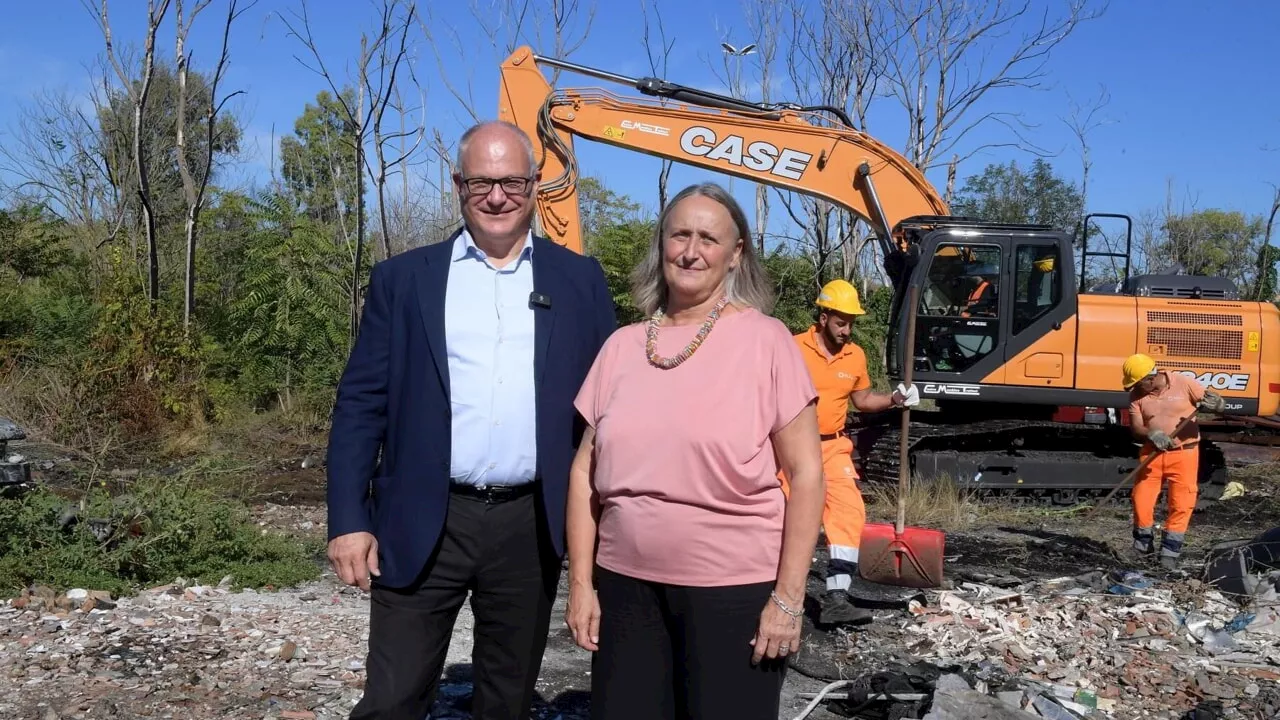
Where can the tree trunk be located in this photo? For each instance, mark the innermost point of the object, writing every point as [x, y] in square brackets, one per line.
[359, 254]
[951, 178]
[144, 189]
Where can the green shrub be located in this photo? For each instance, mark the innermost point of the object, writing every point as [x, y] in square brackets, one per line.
[161, 529]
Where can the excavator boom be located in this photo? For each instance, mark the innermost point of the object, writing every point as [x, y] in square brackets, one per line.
[777, 146]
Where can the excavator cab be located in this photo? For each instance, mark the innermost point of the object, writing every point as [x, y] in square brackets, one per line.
[994, 303]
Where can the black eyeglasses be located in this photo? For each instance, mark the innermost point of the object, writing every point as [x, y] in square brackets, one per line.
[510, 185]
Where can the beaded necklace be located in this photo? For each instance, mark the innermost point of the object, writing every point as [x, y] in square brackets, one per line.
[651, 337]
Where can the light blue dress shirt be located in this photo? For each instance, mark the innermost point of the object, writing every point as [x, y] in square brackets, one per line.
[489, 332]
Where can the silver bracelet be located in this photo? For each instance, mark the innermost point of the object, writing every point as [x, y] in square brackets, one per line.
[773, 595]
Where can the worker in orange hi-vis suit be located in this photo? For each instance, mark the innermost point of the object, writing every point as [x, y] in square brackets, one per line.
[838, 368]
[1158, 402]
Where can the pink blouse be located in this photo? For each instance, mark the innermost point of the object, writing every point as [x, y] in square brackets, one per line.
[685, 470]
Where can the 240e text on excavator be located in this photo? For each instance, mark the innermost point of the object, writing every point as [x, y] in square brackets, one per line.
[1018, 352]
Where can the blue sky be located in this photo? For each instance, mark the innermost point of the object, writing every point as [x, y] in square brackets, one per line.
[1191, 101]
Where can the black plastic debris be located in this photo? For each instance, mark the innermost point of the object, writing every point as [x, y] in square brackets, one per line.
[905, 692]
[1207, 710]
[872, 696]
[872, 595]
[1236, 567]
[15, 471]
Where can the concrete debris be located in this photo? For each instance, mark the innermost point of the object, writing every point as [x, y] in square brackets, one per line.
[953, 699]
[1081, 651]
[198, 647]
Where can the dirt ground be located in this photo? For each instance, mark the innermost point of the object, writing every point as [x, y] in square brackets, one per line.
[182, 652]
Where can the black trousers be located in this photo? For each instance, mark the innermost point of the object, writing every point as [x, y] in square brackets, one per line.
[501, 553]
[669, 652]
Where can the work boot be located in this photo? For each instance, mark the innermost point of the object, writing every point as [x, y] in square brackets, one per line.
[1171, 549]
[1144, 541]
[838, 609]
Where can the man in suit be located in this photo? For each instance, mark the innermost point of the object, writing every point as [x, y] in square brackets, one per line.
[452, 437]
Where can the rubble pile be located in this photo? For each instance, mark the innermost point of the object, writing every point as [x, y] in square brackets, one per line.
[1103, 645]
[182, 651]
[202, 651]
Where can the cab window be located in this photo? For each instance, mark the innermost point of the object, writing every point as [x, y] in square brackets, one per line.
[958, 321]
[964, 281]
[1038, 284]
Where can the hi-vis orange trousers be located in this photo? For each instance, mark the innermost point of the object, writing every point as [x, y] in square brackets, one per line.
[843, 513]
[1180, 467]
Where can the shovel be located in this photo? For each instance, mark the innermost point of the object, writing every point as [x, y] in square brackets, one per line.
[895, 554]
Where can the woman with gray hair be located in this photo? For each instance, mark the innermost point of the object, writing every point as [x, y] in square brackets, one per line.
[687, 564]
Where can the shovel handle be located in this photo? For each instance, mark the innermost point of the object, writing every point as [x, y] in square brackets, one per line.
[1134, 473]
[908, 364]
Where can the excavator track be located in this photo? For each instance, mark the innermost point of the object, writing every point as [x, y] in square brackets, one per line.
[1038, 461]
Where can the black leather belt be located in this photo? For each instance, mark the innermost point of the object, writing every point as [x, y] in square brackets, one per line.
[493, 493]
[831, 436]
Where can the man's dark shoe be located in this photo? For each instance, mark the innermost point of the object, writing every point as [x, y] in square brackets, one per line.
[838, 609]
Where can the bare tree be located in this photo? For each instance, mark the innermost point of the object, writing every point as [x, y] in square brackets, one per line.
[56, 155]
[833, 59]
[939, 74]
[507, 24]
[658, 62]
[1083, 120]
[559, 31]
[370, 103]
[381, 92]
[139, 94]
[765, 18]
[193, 188]
[951, 178]
[1267, 253]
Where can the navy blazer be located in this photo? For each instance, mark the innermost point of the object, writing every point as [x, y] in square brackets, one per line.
[389, 442]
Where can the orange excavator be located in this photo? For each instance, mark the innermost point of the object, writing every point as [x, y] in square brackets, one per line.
[1019, 354]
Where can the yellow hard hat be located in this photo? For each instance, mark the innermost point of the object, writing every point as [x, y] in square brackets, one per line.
[1136, 368]
[840, 296]
[1044, 264]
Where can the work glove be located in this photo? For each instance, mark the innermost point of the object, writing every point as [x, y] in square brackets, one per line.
[906, 397]
[1212, 402]
[1160, 439]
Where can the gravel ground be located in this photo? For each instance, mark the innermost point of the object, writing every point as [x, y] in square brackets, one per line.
[1026, 607]
[181, 651]
[203, 652]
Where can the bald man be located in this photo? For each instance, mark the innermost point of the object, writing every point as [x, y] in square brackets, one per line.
[452, 437]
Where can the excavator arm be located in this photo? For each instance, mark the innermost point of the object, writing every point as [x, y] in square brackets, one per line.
[775, 145]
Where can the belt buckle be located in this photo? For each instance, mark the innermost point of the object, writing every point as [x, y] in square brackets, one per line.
[491, 494]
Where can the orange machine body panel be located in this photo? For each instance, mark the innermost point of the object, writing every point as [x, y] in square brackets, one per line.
[1107, 332]
[1268, 347]
[1218, 342]
[1050, 362]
